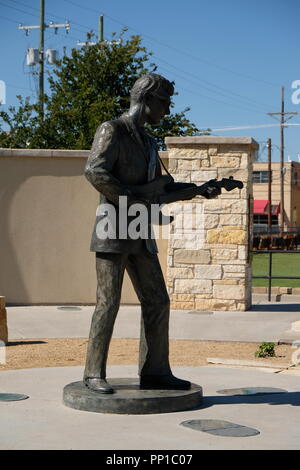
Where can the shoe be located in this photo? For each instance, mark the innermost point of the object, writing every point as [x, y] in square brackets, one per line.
[163, 382]
[97, 385]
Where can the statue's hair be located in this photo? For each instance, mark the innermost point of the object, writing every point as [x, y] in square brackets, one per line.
[151, 83]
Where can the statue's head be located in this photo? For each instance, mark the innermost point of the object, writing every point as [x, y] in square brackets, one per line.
[152, 92]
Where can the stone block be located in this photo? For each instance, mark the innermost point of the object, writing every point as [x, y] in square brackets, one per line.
[226, 282]
[180, 273]
[188, 241]
[235, 292]
[184, 153]
[236, 268]
[231, 219]
[223, 253]
[225, 206]
[243, 306]
[183, 305]
[3, 326]
[215, 304]
[238, 237]
[213, 150]
[234, 227]
[204, 175]
[202, 296]
[245, 161]
[188, 165]
[172, 164]
[183, 297]
[192, 256]
[170, 261]
[242, 252]
[242, 175]
[233, 275]
[182, 176]
[234, 194]
[208, 271]
[193, 286]
[225, 161]
[211, 220]
[226, 261]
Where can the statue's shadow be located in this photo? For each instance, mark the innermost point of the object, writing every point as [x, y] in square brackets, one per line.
[285, 398]
[279, 307]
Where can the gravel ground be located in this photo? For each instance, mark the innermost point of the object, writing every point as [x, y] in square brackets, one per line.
[24, 354]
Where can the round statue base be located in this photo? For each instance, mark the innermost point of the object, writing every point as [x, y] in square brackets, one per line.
[128, 398]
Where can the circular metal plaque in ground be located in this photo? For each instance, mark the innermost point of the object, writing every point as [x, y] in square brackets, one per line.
[220, 428]
[12, 397]
[201, 312]
[129, 399]
[251, 391]
[69, 307]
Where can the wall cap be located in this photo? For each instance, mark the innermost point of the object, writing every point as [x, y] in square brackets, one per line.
[48, 153]
[52, 153]
[211, 140]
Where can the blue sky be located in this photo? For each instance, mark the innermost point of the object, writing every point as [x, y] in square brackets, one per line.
[228, 58]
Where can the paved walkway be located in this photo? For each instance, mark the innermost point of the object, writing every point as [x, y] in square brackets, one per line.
[264, 322]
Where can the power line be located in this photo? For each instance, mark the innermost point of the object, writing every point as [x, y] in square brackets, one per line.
[256, 126]
[235, 105]
[213, 85]
[185, 53]
[9, 19]
[53, 15]
[17, 86]
[18, 9]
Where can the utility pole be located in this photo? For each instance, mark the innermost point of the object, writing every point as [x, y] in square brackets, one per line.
[101, 29]
[284, 117]
[42, 26]
[100, 35]
[41, 67]
[269, 186]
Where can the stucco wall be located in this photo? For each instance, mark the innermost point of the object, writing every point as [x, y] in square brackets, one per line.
[47, 211]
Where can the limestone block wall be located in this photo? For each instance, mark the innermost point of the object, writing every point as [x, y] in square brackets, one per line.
[210, 268]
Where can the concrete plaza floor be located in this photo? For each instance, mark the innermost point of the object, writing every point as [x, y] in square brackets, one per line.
[43, 422]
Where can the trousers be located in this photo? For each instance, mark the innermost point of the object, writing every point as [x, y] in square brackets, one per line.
[146, 275]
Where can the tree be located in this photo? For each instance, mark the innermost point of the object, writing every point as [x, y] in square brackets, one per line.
[89, 87]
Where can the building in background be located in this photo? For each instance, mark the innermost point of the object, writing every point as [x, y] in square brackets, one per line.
[291, 196]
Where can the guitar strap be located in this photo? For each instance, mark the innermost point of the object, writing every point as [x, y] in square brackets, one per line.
[168, 173]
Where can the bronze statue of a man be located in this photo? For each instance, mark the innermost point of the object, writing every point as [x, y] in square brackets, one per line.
[124, 155]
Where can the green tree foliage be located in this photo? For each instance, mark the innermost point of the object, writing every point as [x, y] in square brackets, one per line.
[87, 88]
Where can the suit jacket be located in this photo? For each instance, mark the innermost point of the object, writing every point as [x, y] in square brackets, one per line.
[118, 158]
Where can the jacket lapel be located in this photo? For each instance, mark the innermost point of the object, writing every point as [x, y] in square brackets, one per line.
[135, 135]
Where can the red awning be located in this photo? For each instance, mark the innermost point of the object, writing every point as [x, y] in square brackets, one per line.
[262, 207]
[259, 206]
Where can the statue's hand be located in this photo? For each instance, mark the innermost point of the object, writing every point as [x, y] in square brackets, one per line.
[212, 192]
